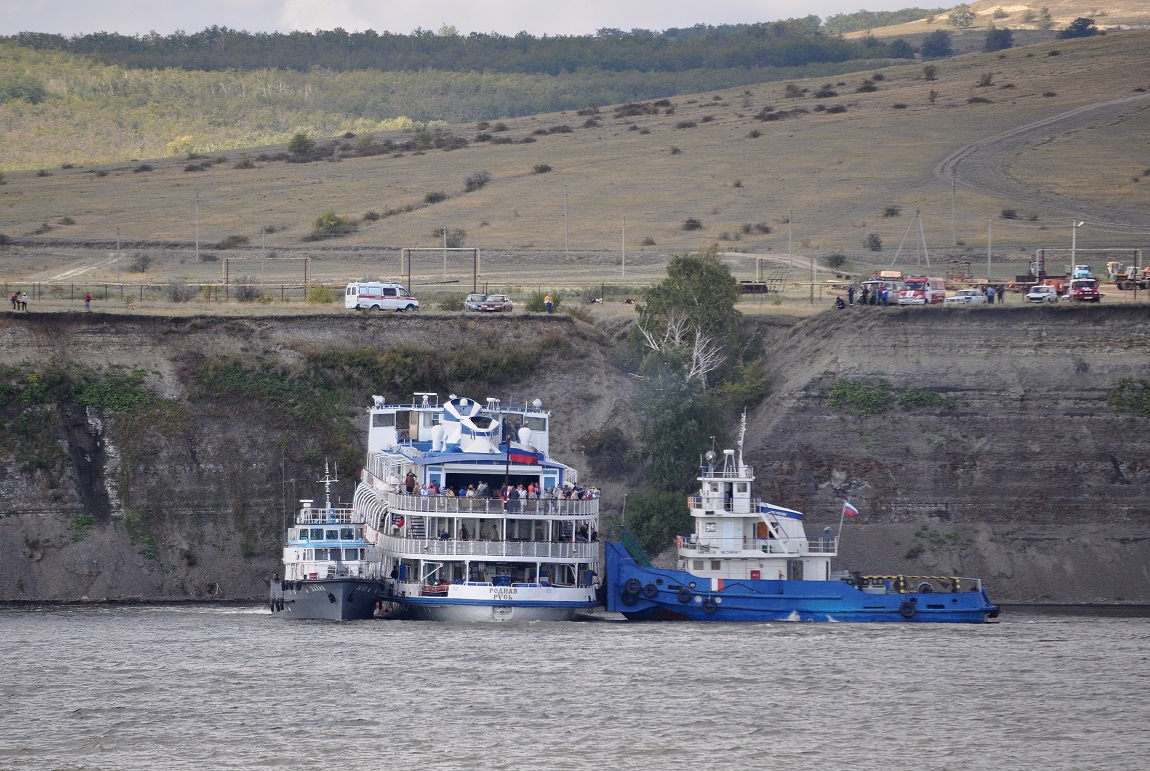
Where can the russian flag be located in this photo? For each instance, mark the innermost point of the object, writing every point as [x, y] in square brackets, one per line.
[523, 455]
[848, 509]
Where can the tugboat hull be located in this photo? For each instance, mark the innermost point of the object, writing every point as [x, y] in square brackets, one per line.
[645, 593]
[340, 599]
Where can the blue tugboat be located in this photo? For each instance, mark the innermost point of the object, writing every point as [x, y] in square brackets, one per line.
[327, 571]
[748, 560]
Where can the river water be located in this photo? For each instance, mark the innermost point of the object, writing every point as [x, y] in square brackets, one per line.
[206, 687]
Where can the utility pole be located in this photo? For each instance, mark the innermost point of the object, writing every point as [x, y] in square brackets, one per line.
[989, 235]
[624, 247]
[197, 226]
[566, 228]
[1074, 225]
[118, 256]
[953, 227]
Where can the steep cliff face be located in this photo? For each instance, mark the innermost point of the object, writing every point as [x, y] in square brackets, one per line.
[188, 498]
[1017, 470]
[1023, 474]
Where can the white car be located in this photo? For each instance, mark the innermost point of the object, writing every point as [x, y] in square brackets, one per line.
[1042, 293]
[967, 297]
[473, 301]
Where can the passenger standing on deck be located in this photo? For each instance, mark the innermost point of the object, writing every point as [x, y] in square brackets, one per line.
[409, 483]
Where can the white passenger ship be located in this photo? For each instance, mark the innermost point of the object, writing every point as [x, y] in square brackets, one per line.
[471, 518]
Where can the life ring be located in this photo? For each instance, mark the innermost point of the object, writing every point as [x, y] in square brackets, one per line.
[684, 595]
[650, 591]
[907, 610]
[632, 586]
[629, 598]
[710, 605]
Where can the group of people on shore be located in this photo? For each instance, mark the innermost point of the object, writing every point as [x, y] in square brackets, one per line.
[19, 301]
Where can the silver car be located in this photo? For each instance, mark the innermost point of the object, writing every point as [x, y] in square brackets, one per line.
[473, 301]
[1042, 293]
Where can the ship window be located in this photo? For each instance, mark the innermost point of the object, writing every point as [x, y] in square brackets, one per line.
[382, 419]
[741, 487]
[331, 535]
[302, 534]
[536, 423]
[346, 533]
[359, 533]
[308, 555]
[716, 565]
[317, 533]
[709, 527]
[697, 564]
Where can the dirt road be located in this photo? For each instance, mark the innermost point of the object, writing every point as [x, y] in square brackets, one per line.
[985, 165]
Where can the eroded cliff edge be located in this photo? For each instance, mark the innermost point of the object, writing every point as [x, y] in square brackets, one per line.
[1024, 475]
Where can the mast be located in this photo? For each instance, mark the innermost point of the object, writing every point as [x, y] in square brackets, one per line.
[327, 482]
[742, 434]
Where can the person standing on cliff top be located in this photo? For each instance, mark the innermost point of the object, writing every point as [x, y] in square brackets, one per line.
[548, 302]
[851, 294]
[87, 302]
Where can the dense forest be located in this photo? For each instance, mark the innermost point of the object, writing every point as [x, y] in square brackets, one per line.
[789, 43]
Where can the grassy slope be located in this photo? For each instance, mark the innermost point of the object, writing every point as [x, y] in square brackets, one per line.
[836, 172]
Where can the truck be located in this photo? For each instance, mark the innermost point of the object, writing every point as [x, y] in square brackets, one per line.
[1083, 290]
[378, 296]
[922, 290]
[1128, 277]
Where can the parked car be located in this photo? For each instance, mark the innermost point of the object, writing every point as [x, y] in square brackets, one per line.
[497, 303]
[1042, 293]
[473, 301]
[967, 297]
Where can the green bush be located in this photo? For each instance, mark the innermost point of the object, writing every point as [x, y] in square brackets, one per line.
[320, 295]
[452, 302]
[244, 291]
[836, 260]
[331, 225]
[301, 144]
[535, 302]
[180, 291]
[858, 398]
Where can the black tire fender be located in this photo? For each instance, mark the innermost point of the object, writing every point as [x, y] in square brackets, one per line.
[650, 591]
[710, 605]
[907, 609]
[632, 586]
[684, 595]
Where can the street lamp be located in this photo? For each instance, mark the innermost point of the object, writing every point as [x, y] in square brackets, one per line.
[1074, 225]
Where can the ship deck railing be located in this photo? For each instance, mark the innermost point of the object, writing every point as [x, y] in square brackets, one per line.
[536, 508]
[818, 545]
[727, 472]
[326, 516]
[326, 570]
[562, 550]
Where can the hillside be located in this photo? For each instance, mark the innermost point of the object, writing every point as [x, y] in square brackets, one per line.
[731, 160]
[1019, 471]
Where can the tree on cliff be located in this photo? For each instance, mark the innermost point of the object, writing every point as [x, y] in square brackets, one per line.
[696, 360]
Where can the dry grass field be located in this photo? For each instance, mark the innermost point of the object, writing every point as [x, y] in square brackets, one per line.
[836, 168]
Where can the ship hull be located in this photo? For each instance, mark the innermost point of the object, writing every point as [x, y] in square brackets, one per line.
[482, 603]
[339, 599]
[645, 593]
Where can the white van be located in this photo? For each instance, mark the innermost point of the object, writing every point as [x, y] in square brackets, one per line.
[378, 296]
